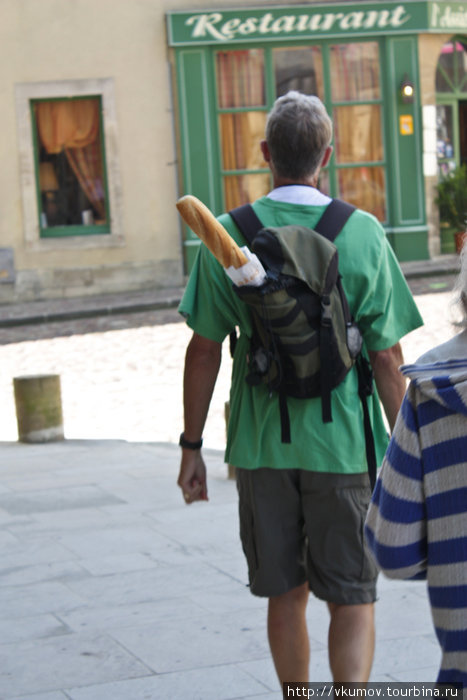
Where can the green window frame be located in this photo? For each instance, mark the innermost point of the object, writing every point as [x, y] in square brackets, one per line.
[91, 225]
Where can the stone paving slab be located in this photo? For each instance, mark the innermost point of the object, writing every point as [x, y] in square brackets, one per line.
[217, 683]
[148, 598]
[68, 660]
[44, 696]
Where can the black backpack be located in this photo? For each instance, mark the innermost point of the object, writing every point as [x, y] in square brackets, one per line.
[304, 339]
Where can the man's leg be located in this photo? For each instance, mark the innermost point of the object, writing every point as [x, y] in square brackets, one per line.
[288, 635]
[351, 642]
[271, 530]
[341, 569]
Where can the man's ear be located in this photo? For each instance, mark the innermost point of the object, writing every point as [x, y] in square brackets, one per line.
[326, 157]
[265, 150]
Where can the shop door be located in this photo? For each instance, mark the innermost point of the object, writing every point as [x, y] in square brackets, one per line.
[447, 139]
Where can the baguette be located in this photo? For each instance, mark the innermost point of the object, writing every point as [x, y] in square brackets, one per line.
[198, 217]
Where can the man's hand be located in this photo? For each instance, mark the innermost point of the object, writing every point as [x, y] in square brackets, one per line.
[202, 362]
[192, 477]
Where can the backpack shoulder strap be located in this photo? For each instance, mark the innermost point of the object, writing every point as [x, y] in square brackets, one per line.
[248, 224]
[334, 218]
[331, 223]
[247, 221]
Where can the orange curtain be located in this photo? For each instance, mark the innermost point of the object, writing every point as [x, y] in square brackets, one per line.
[241, 134]
[240, 83]
[358, 133]
[240, 78]
[73, 126]
[357, 130]
[365, 188]
[70, 124]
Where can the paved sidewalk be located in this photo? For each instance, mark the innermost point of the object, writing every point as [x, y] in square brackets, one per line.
[112, 589]
[53, 310]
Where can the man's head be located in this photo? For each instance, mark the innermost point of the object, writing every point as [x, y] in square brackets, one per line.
[298, 134]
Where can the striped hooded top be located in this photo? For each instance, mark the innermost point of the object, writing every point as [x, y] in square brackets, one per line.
[417, 521]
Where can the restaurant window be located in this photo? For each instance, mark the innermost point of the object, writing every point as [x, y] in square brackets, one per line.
[345, 76]
[241, 97]
[299, 69]
[358, 128]
[70, 167]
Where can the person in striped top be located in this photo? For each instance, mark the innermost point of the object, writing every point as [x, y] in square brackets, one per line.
[417, 520]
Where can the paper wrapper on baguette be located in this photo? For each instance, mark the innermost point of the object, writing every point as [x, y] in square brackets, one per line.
[242, 266]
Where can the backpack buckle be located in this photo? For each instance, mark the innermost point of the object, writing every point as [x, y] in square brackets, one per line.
[326, 316]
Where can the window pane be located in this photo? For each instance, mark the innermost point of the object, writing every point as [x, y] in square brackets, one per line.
[452, 67]
[357, 133]
[445, 70]
[299, 69]
[445, 139]
[240, 189]
[240, 78]
[241, 134]
[365, 188]
[355, 72]
[71, 171]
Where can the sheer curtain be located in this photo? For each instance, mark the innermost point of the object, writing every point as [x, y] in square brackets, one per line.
[240, 85]
[358, 138]
[72, 126]
[358, 134]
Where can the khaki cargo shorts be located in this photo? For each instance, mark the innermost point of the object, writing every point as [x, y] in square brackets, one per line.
[299, 526]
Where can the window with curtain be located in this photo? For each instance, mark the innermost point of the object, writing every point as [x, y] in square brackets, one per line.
[70, 167]
[241, 102]
[358, 128]
[353, 97]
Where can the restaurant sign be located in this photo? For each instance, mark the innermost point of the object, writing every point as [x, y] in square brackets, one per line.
[313, 21]
[448, 16]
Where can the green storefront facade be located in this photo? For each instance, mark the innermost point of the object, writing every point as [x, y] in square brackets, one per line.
[230, 65]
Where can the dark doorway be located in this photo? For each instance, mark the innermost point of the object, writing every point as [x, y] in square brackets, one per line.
[463, 131]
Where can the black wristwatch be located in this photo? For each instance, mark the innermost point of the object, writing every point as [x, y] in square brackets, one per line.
[183, 442]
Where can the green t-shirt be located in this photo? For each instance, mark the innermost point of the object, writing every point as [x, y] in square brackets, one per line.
[383, 308]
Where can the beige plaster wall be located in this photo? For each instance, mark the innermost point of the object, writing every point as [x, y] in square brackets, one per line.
[125, 40]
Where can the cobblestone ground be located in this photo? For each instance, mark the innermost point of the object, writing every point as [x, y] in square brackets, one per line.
[122, 377]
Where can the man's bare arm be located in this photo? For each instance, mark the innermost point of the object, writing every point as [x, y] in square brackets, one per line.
[202, 363]
[390, 382]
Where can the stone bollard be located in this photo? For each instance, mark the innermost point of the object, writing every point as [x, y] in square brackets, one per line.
[38, 408]
[230, 467]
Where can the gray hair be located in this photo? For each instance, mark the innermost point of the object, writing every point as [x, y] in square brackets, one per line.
[298, 131]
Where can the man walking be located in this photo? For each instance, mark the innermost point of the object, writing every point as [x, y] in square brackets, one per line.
[302, 505]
